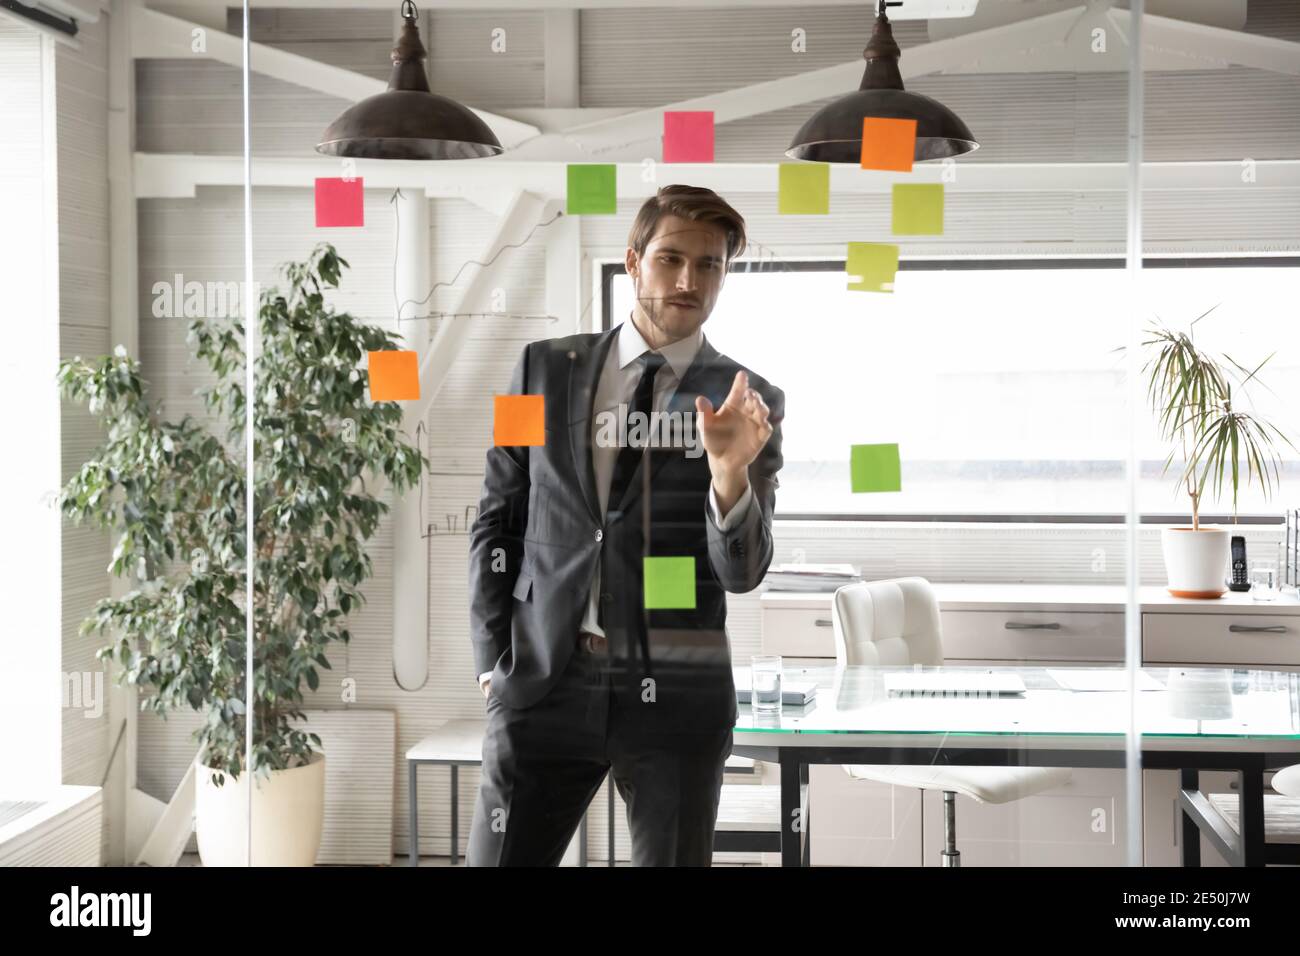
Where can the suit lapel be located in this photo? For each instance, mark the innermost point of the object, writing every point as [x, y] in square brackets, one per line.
[584, 375]
[700, 379]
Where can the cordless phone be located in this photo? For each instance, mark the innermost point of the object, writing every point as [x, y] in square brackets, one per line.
[1238, 581]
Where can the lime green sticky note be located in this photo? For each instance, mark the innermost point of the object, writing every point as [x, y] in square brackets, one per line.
[873, 264]
[918, 209]
[592, 189]
[804, 189]
[875, 468]
[669, 582]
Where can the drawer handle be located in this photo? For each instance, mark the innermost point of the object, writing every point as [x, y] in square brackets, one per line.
[823, 622]
[1014, 626]
[1252, 629]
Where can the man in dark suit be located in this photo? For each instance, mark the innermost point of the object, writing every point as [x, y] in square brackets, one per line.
[600, 560]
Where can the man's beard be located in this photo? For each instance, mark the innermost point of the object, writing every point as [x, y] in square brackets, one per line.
[656, 311]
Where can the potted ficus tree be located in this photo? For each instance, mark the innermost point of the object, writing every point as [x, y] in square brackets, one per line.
[1192, 393]
[173, 496]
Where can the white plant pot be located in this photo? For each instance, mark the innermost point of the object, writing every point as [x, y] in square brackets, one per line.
[288, 815]
[1196, 562]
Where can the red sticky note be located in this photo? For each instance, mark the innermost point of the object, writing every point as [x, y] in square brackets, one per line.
[394, 376]
[688, 136]
[888, 143]
[340, 202]
[519, 420]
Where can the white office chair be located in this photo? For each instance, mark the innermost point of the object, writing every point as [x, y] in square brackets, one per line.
[896, 622]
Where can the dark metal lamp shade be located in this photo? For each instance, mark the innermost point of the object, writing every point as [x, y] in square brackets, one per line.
[834, 133]
[407, 121]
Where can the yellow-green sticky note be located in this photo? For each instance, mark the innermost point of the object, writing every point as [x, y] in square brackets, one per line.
[669, 582]
[918, 209]
[592, 189]
[804, 189]
[875, 468]
[873, 264]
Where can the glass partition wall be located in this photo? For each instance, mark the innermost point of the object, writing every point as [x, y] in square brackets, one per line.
[1035, 404]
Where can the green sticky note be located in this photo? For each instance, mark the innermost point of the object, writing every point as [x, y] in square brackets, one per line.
[918, 209]
[669, 582]
[873, 264]
[804, 189]
[875, 468]
[592, 189]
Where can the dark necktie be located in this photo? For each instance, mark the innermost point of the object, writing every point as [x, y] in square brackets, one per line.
[628, 456]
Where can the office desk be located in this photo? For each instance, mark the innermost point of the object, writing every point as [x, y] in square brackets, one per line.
[853, 720]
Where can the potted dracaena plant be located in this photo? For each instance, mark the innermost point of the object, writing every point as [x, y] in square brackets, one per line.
[173, 495]
[1191, 392]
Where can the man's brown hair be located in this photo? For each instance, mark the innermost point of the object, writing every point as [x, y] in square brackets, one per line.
[688, 202]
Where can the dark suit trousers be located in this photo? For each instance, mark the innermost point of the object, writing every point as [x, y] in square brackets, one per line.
[543, 765]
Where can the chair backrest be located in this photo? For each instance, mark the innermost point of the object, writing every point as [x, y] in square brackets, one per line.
[893, 622]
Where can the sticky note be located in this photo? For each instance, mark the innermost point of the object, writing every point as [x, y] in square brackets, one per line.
[394, 376]
[888, 143]
[592, 189]
[669, 582]
[875, 468]
[918, 209]
[519, 420]
[688, 136]
[804, 189]
[873, 265]
[340, 202]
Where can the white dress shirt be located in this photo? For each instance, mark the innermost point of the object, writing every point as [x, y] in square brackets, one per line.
[617, 384]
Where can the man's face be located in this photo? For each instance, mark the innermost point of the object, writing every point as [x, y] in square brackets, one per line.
[678, 277]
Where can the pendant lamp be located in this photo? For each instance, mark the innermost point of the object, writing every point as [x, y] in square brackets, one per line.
[407, 121]
[834, 133]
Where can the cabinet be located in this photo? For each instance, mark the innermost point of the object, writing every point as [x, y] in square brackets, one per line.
[864, 823]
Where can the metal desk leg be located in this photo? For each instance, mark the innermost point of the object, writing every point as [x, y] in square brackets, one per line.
[455, 814]
[412, 813]
[1190, 780]
[611, 817]
[806, 805]
[792, 825]
[1250, 784]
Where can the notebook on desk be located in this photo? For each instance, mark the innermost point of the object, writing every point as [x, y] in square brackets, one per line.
[954, 684]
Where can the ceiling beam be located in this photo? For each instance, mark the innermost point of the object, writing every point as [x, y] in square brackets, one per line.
[788, 91]
[179, 174]
[1226, 47]
[161, 35]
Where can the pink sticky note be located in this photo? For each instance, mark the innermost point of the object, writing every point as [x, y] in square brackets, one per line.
[340, 202]
[688, 136]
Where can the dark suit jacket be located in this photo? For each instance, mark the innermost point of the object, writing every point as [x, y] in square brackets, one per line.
[539, 506]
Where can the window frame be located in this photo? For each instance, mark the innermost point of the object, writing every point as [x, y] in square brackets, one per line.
[610, 269]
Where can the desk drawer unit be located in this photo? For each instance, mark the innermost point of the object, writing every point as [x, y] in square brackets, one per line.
[799, 632]
[1037, 635]
[1247, 640]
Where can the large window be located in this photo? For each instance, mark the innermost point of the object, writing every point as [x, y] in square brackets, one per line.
[999, 380]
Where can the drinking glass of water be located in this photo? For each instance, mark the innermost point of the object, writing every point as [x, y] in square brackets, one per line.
[765, 684]
[1263, 582]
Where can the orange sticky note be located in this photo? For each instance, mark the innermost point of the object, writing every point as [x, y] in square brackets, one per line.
[394, 376]
[888, 143]
[519, 420]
